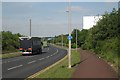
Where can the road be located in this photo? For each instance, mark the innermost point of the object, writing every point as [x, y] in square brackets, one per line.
[24, 66]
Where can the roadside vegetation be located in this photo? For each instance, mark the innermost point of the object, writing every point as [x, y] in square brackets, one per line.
[8, 55]
[10, 43]
[61, 70]
[103, 38]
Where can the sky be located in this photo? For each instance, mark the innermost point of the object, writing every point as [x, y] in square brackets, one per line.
[59, 0]
[49, 18]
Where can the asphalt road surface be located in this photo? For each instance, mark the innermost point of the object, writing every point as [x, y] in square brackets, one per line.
[24, 66]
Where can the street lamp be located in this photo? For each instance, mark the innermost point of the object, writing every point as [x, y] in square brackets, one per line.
[30, 27]
[62, 40]
[69, 28]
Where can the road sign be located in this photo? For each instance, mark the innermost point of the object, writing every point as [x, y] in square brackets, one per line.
[69, 37]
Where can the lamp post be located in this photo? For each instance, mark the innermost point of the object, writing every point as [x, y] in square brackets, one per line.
[30, 27]
[62, 39]
[69, 28]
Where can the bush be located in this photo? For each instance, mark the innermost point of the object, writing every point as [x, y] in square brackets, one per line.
[10, 42]
[73, 45]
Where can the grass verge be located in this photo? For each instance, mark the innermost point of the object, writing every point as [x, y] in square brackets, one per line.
[8, 55]
[61, 70]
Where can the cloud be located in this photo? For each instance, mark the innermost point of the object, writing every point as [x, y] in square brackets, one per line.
[77, 9]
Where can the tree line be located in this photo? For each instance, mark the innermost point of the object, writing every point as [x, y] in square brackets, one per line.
[10, 41]
[103, 38]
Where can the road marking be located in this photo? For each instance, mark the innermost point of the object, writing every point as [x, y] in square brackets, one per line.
[15, 67]
[49, 67]
[56, 52]
[51, 55]
[47, 56]
[41, 59]
[17, 59]
[31, 62]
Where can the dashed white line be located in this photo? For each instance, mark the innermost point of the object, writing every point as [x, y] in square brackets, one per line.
[41, 59]
[31, 62]
[51, 55]
[56, 52]
[47, 56]
[16, 59]
[15, 67]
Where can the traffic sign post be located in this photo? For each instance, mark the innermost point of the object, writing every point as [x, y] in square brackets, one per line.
[69, 37]
[69, 55]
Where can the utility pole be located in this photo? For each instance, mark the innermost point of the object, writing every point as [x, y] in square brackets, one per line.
[76, 39]
[62, 40]
[30, 27]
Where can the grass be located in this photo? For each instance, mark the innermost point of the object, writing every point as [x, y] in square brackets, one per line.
[61, 70]
[8, 55]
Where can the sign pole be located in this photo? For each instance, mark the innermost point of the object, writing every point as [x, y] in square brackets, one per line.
[69, 25]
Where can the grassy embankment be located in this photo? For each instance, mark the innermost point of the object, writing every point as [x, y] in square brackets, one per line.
[10, 55]
[61, 70]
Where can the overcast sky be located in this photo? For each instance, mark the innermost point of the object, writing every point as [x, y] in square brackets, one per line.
[49, 18]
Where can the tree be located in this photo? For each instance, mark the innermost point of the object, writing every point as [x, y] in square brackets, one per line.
[10, 42]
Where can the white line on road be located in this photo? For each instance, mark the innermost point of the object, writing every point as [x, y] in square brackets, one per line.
[52, 54]
[17, 59]
[47, 56]
[31, 62]
[56, 52]
[41, 59]
[15, 67]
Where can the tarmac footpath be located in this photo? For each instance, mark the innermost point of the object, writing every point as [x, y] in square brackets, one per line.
[94, 68]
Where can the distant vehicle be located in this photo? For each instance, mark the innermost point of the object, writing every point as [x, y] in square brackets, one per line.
[30, 45]
[45, 44]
